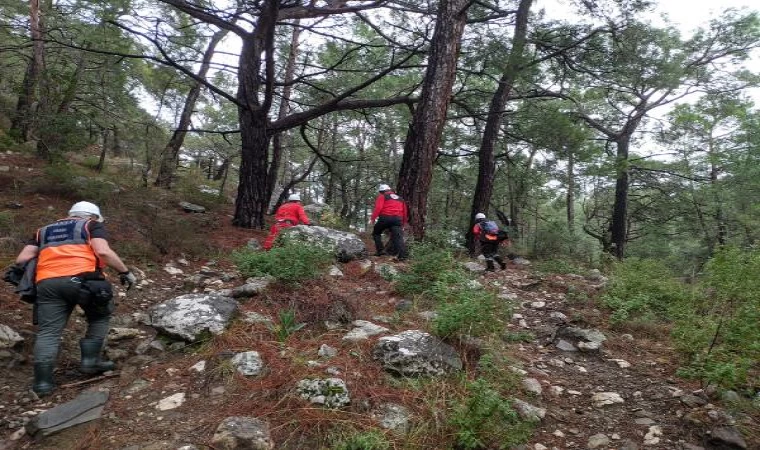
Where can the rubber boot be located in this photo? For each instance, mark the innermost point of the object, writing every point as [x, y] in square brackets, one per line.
[501, 262]
[43, 378]
[91, 362]
[489, 266]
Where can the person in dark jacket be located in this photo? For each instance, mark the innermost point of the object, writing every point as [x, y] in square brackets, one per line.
[71, 252]
[391, 213]
[289, 214]
[489, 241]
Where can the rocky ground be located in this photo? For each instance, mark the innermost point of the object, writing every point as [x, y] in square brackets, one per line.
[592, 389]
[588, 384]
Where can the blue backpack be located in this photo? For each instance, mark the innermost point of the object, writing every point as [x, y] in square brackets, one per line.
[489, 228]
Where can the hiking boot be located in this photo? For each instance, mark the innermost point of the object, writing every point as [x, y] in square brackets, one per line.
[489, 266]
[381, 253]
[43, 378]
[502, 264]
[91, 362]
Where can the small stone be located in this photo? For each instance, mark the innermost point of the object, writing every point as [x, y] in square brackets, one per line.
[335, 272]
[730, 397]
[653, 435]
[171, 402]
[627, 337]
[556, 390]
[559, 434]
[404, 305]
[598, 440]
[644, 421]
[238, 433]
[565, 346]
[254, 317]
[729, 437]
[538, 305]
[532, 385]
[693, 401]
[171, 270]
[572, 392]
[248, 363]
[623, 364]
[325, 351]
[540, 447]
[601, 399]
[199, 367]
[8, 337]
[558, 316]
[527, 411]
[118, 334]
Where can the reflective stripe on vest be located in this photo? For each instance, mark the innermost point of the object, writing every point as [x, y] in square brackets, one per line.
[65, 249]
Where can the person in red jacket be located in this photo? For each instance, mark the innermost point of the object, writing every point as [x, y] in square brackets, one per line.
[289, 214]
[390, 212]
[488, 234]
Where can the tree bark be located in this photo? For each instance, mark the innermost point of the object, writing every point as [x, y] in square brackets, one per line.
[424, 134]
[570, 196]
[103, 148]
[287, 90]
[486, 161]
[619, 225]
[23, 122]
[170, 156]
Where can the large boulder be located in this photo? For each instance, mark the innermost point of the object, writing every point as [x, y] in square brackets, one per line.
[416, 353]
[192, 316]
[346, 246]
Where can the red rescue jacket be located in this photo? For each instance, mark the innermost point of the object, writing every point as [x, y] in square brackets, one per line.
[291, 212]
[390, 204]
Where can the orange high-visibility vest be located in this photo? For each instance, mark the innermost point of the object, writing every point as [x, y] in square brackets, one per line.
[65, 250]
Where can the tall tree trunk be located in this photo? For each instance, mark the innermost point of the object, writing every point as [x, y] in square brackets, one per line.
[252, 199]
[170, 155]
[221, 172]
[69, 94]
[486, 162]
[718, 215]
[103, 148]
[619, 225]
[570, 196]
[287, 91]
[424, 134]
[23, 122]
[116, 148]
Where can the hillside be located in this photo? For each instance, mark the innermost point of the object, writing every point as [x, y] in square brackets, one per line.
[620, 391]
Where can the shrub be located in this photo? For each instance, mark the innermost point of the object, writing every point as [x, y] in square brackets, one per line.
[429, 263]
[359, 440]
[290, 264]
[644, 290]
[484, 419]
[718, 332]
[286, 326]
[463, 310]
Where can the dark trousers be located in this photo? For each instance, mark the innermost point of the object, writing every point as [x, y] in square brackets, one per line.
[490, 249]
[56, 299]
[397, 234]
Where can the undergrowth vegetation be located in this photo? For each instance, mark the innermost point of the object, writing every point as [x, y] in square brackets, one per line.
[290, 264]
[714, 321]
[463, 306]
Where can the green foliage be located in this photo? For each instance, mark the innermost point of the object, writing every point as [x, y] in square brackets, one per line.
[559, 266]
[359, 440]
[286, 326]
[289, 264]
[484, 419]
[429, 263]
[462, 308]
[718, 332]
[643, 290]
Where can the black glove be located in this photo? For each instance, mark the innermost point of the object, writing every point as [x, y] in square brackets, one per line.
[127, 279]
[14, 274]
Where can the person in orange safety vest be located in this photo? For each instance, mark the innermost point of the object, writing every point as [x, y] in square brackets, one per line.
[289, 214]
[71, 254]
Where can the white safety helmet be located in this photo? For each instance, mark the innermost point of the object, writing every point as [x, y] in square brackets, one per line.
[294, 197]
[86, 209]
[384, 187]
[480, 216]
